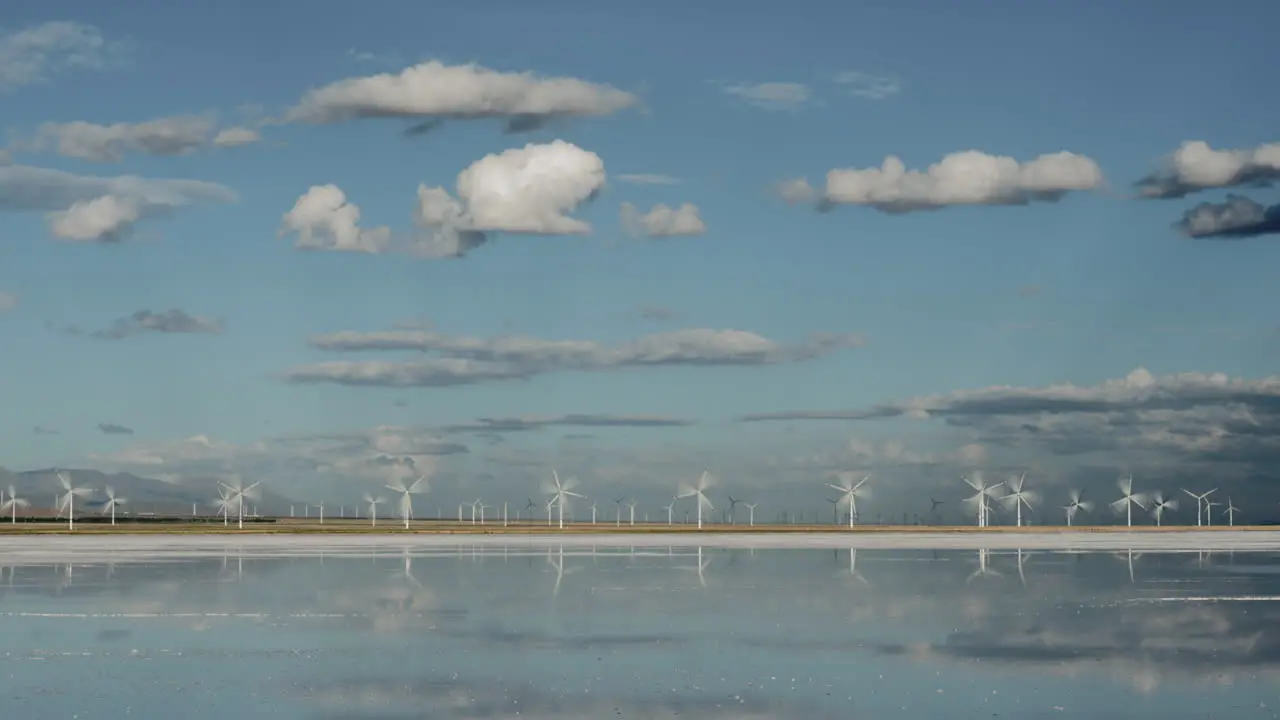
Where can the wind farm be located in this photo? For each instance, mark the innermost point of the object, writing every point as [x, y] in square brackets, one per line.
[1008, 506]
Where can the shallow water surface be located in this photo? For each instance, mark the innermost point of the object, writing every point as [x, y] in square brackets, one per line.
[576, 632]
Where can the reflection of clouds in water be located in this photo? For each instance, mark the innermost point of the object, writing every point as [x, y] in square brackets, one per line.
[451, 697]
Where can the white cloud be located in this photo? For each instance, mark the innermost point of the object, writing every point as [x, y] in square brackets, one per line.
[324, 220]
[236, 137]
[962, 178]
[772, 95]
[8, 301]
[870, 87]
[663, 221]
[107, 219]
[529, 190]
[34, 54]
[1195, 166]
[797, 190]
[79, 204]
[175, 135]
[469, 360]
[648, 179]
[435, 90]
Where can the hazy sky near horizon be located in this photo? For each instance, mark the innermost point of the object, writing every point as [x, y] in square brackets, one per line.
[482, 240]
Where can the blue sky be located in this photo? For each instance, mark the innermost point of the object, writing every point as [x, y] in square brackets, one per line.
[1081, 290]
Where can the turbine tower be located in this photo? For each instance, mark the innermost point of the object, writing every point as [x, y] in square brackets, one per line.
[406, 496]
[1019, 496]
[236, 493]
[699, 493]
[372, 503]
[1128, 499]
[983, 496]
[560, 492]
[1075, 506]
[67, 499]
[1201, 500]
[111, 503]
[751, 513]
[12, 503]
[1230, 512]
[1159, 505]
[849, 493]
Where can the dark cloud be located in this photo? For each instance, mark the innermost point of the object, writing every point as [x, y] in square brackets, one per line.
[169, 322]
[1236, 218]
[114, 429]
[38, 430]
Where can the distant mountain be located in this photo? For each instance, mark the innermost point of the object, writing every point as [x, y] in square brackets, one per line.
[40, 488]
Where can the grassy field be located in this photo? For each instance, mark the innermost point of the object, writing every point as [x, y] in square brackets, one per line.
[287, 526]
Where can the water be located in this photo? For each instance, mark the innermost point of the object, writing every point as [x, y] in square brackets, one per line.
[569, 631]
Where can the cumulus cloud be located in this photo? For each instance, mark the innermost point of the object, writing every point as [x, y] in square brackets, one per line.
[236, 137]
[35, 54]
[648, 179]
[772, 95]
[868, 86]
[324, 220]
[114, 429]
[8, 301]
[1237, 217]
[663, 221]
[1196, 166]
[469, 360]
[529, 190]
[1185, 421]
[963, 178]
[433, 90]
[86, 207]
[169, 322]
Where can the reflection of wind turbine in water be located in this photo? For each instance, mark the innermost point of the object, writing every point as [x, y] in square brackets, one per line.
[12, 503]
[849, 493]
[406, 496]
[699, 494]
[67, 500]
[557, 563]
[1129, 556]
[853, 567]
[1022, 556]
[112, 501]
[984, 568]
[561, 492]
[983, 496]
[1075, 506]
[1128, 499]
[702, 565]
[1159, 505]
[1019, 497]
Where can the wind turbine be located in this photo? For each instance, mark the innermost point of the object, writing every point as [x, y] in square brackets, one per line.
[983, 496]
[617, 511]
[699, 494]
[1075, 506]
[1128, 499]
[733, 508]
[236, 493]
[320, 505]
[1019, 496]
[528, 508]
[1209, 505]
[631, 505]
[751, 513]
[1159, 504]
[561, 491]
[1200, 500]
[406, 496]
[594, 504]
[68, 499]
[372, 502]
[849, 493]
[112, 502]
[222, 504]
[1230, 512]
[12, 503]
[670, 509]
[934, 504]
